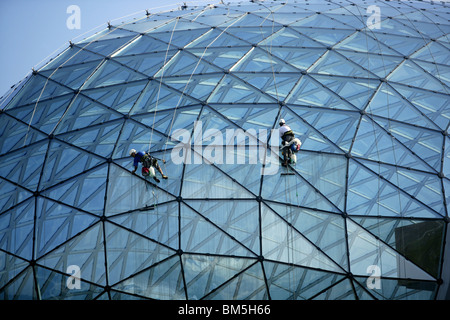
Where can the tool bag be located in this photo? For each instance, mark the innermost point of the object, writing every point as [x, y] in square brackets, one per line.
[148, 172]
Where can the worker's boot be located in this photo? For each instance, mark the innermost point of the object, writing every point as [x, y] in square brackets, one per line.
[164, 177]
[156, 179]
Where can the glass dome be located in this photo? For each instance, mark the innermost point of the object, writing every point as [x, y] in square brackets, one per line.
[363, 214]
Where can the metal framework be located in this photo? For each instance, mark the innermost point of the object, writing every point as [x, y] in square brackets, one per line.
[371, 107]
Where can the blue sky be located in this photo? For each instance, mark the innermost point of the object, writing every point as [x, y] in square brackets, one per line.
[32, 31]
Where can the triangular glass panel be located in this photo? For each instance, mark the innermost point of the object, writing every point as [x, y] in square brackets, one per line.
[11, 267]
[332, 63]
[60, 158]
[21, 288]
[158, 96]
[15, 134]
[137, 136]
[410, 74]
[348, 18]
[112, 32]
[231, 89]
[147, 63]
[106, 47]
[295, 190]
[326, 173]
[16, 229]
[24, 166]
[277, 85]
[204, 274]
[284, 18]
[258, 60]
[128, 253]
[326, 230]
[420, 15]
[342, 290]
[434, 52]
[37, 88]
[374, 143]
[179, 24]
[425, 187]
[111, 73]
[257, 117]
[434, 105]
[406, 235]
[86, 191]
[180, 39]
[338, 126]
[248, 285]
[241, 221]
[86, 250]
[127, 192]
[121, 97]
[356, 91]
[389, 104]
[82, 113]
[163, 281]
[401, 44]
[147, 24]
[281, 242]
[442, 73]
[301, 58]
[446, 158]
[143, 44]
[56, 223]
[396, 27]
[365, 250]
[53, 286]
[216, 38]
[423, 29]
[206, 181]
[327, 37]
[371, 195]
[286, 37]
[296, 283]
[196, 86]
[73, 76]
[99, 139]
[378, 64]
[201, 235]
[44, 115]
[184, 63]
[168, 121]
[320, 20]
[363, 42]
[224, 58]
[310, 92]
[157, 222]
[394, 289]
[425, 143]
[248, 175]
[216, 17]
[11, 195]
[71, 56]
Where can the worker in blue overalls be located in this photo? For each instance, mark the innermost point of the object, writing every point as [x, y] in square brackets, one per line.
[147, 162]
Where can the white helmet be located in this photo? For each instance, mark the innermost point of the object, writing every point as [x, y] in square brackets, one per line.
[282, 122]
[132, 151]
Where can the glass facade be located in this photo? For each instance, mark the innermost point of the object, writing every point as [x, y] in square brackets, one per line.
[363, 214]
